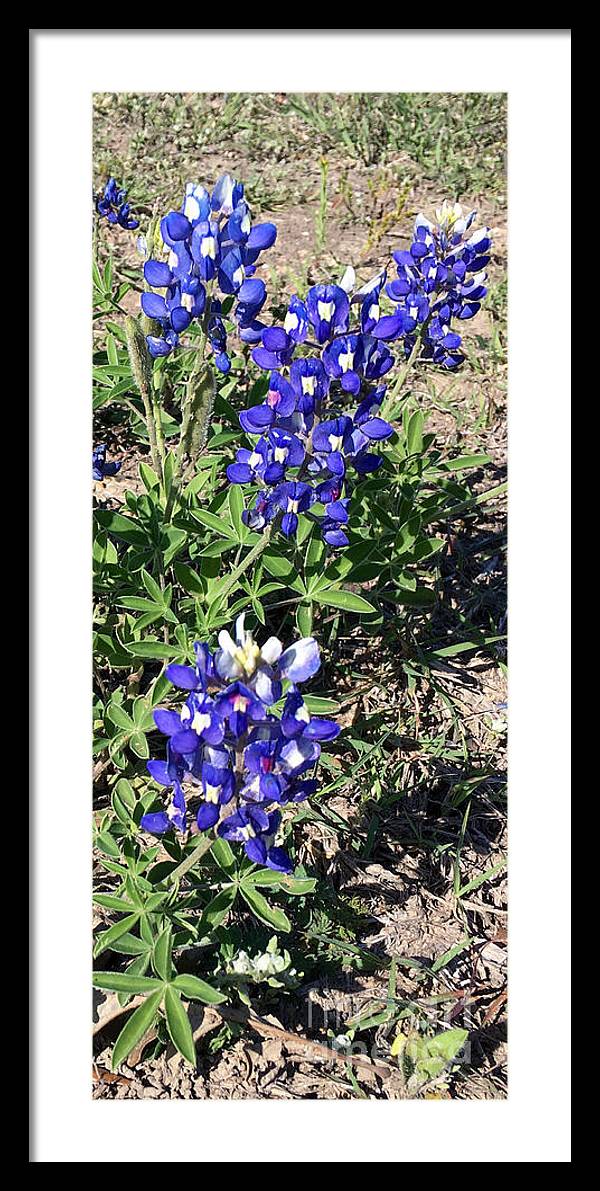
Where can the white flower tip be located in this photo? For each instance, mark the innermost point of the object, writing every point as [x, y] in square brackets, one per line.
[348, 280]
[271, 650]
[226, 642]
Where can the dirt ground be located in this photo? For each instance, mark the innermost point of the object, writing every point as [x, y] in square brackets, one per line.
[397, 895]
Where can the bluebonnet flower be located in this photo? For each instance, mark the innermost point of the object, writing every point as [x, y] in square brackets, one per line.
[276, 351]
[296, 320]
[433, 285]
[100, 467]
[273, 453]
[211, 246]
[279, 402]
[257, 830]
[310, 382]
[218, 787]
[328, 310]
[229, 752]
[262, 512]
[159, 822]
[295, 438]
[112, 206]
[293, 497]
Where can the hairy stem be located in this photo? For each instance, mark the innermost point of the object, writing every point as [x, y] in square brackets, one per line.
[247, 561]
[142, 372]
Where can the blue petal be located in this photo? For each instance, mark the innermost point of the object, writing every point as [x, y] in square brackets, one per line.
[157, 346]
[252, 292]
[185, 741]
[322, 730]
[158, 274]
[178, 227]
[208, 814]
[167, 721]
[388, 327]
[156, 824]
[263, 235]
[154, 306]
[255, 419]
[222, 362]
[239, 473]
[289, 521]
[256, 850]
[159, 770]
[377, 428]
[275, 339]
[278, 859]
[300, 661]
[182, 676]
[180, 318]
[266, 359]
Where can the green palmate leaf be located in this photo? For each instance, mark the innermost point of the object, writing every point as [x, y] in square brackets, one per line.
[462, 462]
[110, 902]
[114, 932]
[338, 597]
[142, 714]
[140, 604]
[161, 957]
[148, 477]
[139, 745]
[236, 506]
[212, 521]
[280, 567]
[152, 588]
[129, 944]
[120, 717]
[106, 844]
[217, 910]
[178, 1025]
[414, 433]
[125, 982]
[224, 855]
[304, 619]
[111, 350]
[188, 579]
[260, 907]
[297, 886]
[141, 1019]
[121, 527]
[151, 647]
[320, 706]
[126, 793]
[138, 966]
[195, 989]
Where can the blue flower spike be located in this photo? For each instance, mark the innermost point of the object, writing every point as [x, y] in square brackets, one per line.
[111, 205]
[333, 348]
[229, 756]
[100, 467]
[210, 247]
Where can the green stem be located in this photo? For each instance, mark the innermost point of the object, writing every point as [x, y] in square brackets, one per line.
[388, 404]
[142, 372]
[187, 412]
[159, 433]
[204, 845]
[249, 559]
